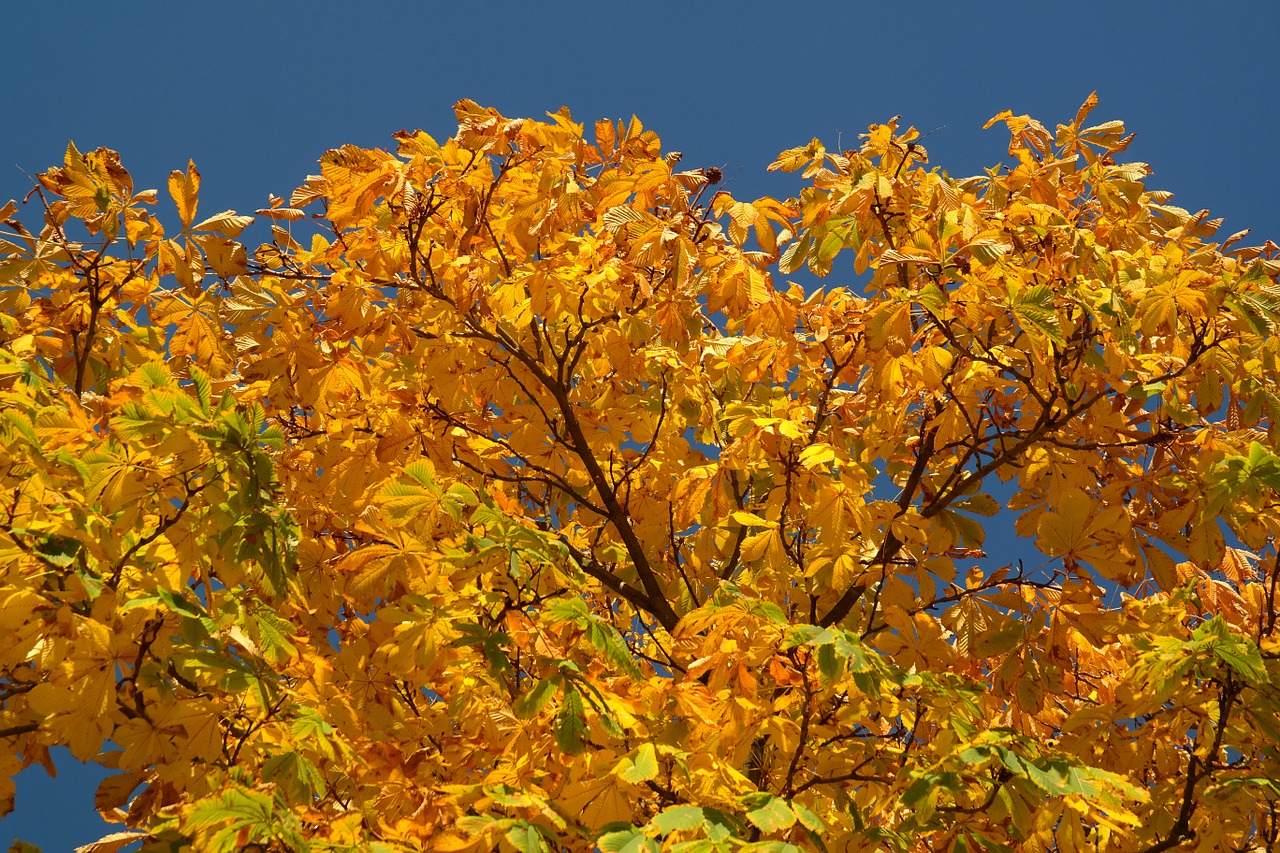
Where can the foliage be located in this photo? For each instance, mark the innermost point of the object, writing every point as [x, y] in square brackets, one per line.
[507, 498]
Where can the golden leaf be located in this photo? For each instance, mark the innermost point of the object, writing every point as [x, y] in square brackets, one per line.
[184, 188]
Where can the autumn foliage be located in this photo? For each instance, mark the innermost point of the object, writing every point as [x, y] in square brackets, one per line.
[509, 496]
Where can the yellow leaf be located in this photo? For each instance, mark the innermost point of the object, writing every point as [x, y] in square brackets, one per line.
[228, 223]
[606, 138]
[112, 842]
[816, 455]
[1067, 530]
[226, 257]
[597, 801]
[185, 189]
[757, 545]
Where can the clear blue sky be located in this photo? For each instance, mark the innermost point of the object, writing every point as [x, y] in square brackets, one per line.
[256, 91]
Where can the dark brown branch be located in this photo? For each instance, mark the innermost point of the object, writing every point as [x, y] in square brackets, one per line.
[891, 544]
[802, 745]
[22, 729]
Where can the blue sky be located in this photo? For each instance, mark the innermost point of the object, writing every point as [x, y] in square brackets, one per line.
[256, 91]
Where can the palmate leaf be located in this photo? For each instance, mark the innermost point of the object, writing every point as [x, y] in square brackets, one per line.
[600, 635]
[404, 500]
[838, 652]
[295, 773]
[1237, 652]
[221, 819]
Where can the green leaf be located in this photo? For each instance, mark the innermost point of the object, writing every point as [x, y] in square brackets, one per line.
[922, 786]
[421, 473]
[602, 636]
[92, 583]
[601, 706]
[57, 550]
[179, 603]
[794, 256]
[829, 663]
[932, 297]
[536, 697]
[767, 610]
[513, 798]
[1255, 274]
[309, 725]
[272, 437]
[297, 777]
[606, 639]
[678, 819]
[22, 424]
[1010, 759]
[627, 841]
[572, 610]
[830, 246]
[721, 826]
[808, 635]
[402, 500]
[203, 390]
[774, 816]
[229, 812]
[808, 819]
[463, 495]
[642, 767]
[273, 635]
[571, 723]
[1080, 781]
[982, 504]
[1049, 779]
[859, 659]
[152, 375]
[527, 839]
[1239, 653]
[1035, 309]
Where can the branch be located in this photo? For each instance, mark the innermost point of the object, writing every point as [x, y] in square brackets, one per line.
[589, 564]
[891, 544]
[24, 728]
[659, 606]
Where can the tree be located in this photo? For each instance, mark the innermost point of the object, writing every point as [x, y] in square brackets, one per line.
[508, 498]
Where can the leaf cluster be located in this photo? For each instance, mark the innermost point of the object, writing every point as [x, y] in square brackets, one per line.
[507, 496]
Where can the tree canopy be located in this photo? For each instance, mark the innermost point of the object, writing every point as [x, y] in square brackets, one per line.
[509, 496]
